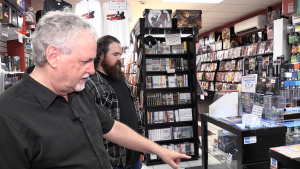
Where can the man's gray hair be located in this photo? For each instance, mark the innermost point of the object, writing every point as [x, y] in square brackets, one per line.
[60, 29]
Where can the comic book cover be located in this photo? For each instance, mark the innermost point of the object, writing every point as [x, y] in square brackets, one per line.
[200, 75]
[233, 64]
[262, 47]
[264, 63]
[219, 86]
[238, 51]
[230, 76]
[269, 46]
[228, 65]
[223, 76]
[221, 54]
[249, 50]
[222, 65]
[228, 86]
[254, 48]
[205, 76]
[226, 53]
[264, 73]
[233, 86]
[212, 75]
[251, 63]
[240, 64]
[232, 54]
[213, 56]
[245, 51]
[212, 67]
[218, 78]
[226, 76]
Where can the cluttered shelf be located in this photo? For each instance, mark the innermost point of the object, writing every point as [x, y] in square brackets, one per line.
[170, 124]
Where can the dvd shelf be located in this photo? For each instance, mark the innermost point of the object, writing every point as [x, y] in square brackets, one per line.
[168, 96]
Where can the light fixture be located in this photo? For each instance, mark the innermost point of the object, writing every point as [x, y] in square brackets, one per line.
[194, 1]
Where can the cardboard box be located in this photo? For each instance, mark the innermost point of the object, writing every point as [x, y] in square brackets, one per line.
[158, 18]
[188, 18]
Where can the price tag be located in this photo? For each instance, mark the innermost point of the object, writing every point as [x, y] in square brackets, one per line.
[273, 163]
[249, 83]
[257, 110]
[229, 159]
[250, 140]
[170, 70]
[173, 39]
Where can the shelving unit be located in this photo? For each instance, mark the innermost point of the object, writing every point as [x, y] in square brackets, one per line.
[152, 99]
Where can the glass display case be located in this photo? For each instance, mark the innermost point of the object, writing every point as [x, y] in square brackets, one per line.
[237, 146]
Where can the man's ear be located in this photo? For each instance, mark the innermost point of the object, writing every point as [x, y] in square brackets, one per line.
[102, 56]
[52, 55]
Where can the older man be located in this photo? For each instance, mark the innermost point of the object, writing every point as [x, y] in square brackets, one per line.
[48, 120]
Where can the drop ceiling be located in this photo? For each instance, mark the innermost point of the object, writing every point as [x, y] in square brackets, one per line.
[213, 15]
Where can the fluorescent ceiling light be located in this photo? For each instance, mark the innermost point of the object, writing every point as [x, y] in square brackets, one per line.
[195, 1]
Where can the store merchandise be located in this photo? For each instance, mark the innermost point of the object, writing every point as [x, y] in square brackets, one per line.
[158, 18]
[91, 11]
[188, 18]
[116, 22]
[53, 5]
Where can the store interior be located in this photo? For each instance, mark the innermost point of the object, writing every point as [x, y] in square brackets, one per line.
[226, 91]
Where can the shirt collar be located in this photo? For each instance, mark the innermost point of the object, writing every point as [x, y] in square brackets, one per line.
[44, 95]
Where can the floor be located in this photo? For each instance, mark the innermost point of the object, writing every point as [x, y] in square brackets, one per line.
[216, 160]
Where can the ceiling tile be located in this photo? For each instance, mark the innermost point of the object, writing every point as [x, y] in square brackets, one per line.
[237, 8]
[216, 20]
[252, 2]
[223, 15]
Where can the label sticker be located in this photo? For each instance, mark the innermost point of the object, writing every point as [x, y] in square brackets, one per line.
[250, 140]
[273, 163]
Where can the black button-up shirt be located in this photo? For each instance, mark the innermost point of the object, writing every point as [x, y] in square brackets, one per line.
[39, 129]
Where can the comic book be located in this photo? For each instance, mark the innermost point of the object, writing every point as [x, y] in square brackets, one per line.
[233, 64]
[218, 78]
[254, 49]
[262, 47]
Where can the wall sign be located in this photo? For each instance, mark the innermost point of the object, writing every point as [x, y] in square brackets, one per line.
[117, 4]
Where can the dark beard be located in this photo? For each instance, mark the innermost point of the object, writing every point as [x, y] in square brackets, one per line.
[114, 71]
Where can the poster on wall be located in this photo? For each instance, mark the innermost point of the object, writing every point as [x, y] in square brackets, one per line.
[117, 4]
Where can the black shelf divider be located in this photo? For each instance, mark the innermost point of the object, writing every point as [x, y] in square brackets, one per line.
[168, 107]
[175, 141]
[171, 124]
[170, 89]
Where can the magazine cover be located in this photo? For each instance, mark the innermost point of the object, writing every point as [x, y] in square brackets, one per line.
[228, 65]
[230, 76]
[218, 78]
[222, 65]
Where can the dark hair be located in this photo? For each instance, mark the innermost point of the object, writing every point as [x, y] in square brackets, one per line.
[102, 47]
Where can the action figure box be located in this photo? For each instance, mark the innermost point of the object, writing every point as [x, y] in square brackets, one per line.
[272, 86]
[158, 18]
[188, 18]
[4, 12]
[227, 143]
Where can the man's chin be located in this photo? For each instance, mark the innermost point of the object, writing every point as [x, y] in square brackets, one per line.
[79, 87]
